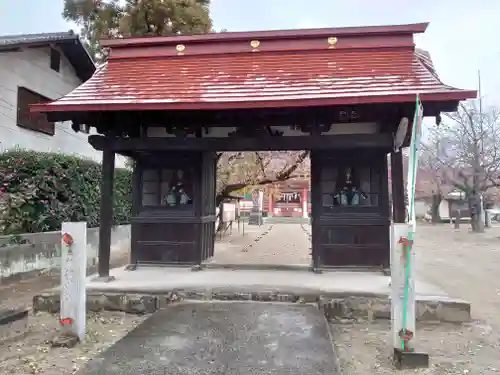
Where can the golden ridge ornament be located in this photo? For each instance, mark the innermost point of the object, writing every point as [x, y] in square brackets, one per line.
[255, 45]
[180, 48]
[332, 42]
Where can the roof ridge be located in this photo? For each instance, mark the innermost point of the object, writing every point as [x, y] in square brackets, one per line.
[30, 35]
[261, 35]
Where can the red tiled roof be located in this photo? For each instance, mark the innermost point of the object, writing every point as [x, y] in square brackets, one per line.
[362, 70]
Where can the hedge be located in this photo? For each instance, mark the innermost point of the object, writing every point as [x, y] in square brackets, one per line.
[40, 190]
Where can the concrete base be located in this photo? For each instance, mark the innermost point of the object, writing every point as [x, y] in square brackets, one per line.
[197, 267]
[105, 279]
[360, 294]
[131, 267]
[410, 359]
[65, 340]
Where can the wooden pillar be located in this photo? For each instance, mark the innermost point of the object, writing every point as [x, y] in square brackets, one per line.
[106, 213]
[316, 191]
[136, 205]
[398, 188]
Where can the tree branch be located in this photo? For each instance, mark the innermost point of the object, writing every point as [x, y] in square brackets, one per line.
[285, 174]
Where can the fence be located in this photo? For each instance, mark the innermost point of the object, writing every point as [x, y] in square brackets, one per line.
[37, 253]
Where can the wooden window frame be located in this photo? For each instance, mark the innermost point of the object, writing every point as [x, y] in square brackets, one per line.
[33, 121]
[159, 180]
[374, 184]
[55, 59]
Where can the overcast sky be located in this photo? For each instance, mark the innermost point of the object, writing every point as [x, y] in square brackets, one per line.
[462, 37]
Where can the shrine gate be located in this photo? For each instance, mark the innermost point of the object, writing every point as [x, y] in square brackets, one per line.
[170, 103]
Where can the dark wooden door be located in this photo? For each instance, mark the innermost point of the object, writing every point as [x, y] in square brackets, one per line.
[174, 212]
[350, 209]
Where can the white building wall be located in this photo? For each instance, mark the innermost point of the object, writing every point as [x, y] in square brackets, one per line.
[30, 68]
[421, 208]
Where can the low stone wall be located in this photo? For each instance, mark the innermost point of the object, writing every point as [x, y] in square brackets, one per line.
[336, 308]
[42, 252]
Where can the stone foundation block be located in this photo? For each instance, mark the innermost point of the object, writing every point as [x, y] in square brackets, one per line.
[335, 307]
[49, 302]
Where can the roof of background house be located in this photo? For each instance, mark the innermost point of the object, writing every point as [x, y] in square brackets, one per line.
[68, 42]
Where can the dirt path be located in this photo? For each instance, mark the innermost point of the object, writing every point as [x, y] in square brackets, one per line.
[283, 244]
[466, 266]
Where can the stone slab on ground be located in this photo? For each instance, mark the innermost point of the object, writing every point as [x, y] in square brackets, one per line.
[13, 323]
[360, 293]
[223, 338]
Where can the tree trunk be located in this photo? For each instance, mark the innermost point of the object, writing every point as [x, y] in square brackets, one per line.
[487, 219]
[476, 221]
[458, 218]
[436, 202]
[480, 222]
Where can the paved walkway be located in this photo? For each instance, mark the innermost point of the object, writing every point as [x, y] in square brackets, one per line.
[165, 279]
[223, 338]
[280, 244]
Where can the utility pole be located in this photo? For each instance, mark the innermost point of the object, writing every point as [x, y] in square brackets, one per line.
[482, 218]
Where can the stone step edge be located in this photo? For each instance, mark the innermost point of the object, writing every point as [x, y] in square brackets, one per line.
[334, 307]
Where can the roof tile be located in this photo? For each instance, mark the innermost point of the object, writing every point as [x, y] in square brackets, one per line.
[178, 81]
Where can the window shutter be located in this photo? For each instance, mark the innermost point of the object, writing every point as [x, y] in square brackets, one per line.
[32, 120]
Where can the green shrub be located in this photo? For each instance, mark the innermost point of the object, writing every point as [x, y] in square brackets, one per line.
[40, 190]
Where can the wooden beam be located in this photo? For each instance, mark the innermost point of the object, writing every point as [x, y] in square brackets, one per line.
[136, 208]
[106, 213]
[322, 142]
[398, 189]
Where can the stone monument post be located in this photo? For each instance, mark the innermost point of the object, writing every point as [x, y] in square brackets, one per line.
[73, 275]
[399, 232]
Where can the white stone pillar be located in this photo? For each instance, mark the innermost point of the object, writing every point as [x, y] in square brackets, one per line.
[305, 197]
[305, 214]
[73, 275]
[398, 275]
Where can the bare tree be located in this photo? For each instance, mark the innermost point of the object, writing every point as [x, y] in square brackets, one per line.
[471, 157]
[237, 170]
[432, 181]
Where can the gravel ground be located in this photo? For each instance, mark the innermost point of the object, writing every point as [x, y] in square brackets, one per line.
[463, 264]
[466, 266]
[33, 354]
